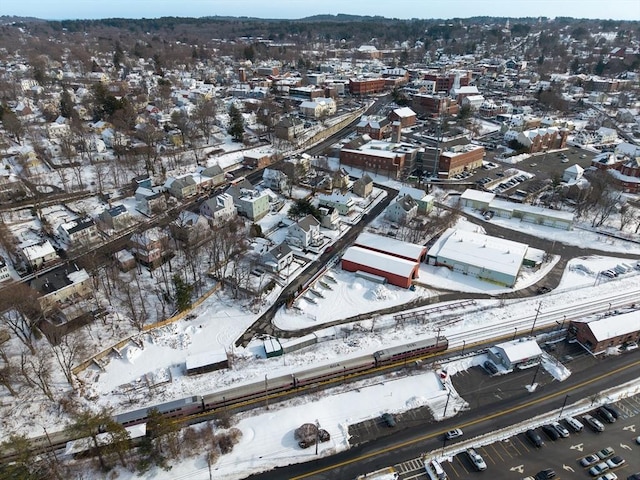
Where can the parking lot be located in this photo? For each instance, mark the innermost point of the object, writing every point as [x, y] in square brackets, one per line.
[517, 457]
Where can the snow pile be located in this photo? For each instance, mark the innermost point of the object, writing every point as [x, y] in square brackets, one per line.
[381, 292]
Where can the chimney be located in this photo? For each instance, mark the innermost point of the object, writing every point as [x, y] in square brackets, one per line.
[396, 132]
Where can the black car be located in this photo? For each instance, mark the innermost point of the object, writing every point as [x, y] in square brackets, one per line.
[534, 437]
[612, 410]
[551, 432]
[389, 420]
[490, 367]
[546, 474]
[606, 415]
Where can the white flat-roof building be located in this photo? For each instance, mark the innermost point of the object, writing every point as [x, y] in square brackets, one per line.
[521, 353]
[490, 258]
[397, 271]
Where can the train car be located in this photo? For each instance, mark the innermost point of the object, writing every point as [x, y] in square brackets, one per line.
[411, 350]
[247, 392]
[333, 370]
[80, 445]
[174, 409]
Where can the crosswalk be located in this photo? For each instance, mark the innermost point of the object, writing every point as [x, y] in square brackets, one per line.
[411, 470]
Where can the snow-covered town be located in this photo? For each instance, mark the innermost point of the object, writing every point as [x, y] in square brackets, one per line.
[223, 257]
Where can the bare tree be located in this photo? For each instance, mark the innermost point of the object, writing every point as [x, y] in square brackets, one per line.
[7, 373]
[71, 348]
[38, 368]
[20, 313]
[204, 115]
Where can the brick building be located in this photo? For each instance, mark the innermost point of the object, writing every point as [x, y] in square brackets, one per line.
[434, 105]
[460, 158]
[366, 86]
[608, 332]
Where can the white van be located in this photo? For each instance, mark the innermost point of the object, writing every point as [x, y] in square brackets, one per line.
[575, 425]
[438, 470]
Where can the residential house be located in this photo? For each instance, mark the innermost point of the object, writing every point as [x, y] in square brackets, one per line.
[424, 200]
[402, 210]
[190, 228]
[340, 179]
[289, 128]
[344, 204]
[78, 233]
[318, 107]
[117, 218]
[363, 187]
[61, 287]
[305, 233]
[150, 247]
[275, 180]
[252, 204]
[329, 218]
[278, 258]
[5, 274]
[257, 159]
[214, 173]
[150, 201]
[125, 260]
[39, 254]
[182, 187]
[219, 209]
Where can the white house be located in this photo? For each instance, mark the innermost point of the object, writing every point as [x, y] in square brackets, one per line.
[318, 107]
[219, 208]
[39, 254]
[402, 210]
[305, 233]
[278, 258]
[572, 174]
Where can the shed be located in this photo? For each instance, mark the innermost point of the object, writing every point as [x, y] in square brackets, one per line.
[206, 362]
[521, 353]
[272, 347]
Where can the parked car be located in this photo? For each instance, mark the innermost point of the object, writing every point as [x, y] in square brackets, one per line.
[477, 460]
[598, 469]
[574, 424]
[490, 367]
[534, 437]
[595, 424]
[605, 453]
[608, 476]
[551, 432]
[455, 433]
[606, 415]
[545, 474]
[615, 462]
[389, 420]
[562, 431]
[612, 410]
[589, 460]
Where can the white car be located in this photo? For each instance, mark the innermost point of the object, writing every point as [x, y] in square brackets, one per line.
[598, 469]
[477, 460]
[455, 433]
[608, 476]
[562, 431]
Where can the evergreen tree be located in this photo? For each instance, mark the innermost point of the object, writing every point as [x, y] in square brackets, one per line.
[236, 124]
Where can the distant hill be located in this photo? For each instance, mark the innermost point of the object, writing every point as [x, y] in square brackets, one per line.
[8, 19]
[340, 17]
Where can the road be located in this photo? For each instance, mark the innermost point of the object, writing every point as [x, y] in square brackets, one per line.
[489, 412]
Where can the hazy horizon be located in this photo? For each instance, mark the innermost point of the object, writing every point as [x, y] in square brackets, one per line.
[293, 9]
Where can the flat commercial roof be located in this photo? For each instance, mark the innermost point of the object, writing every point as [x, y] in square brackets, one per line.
[518, 350]
[477, 195]
[204, 359]
[380, 261]
[614, 326]
[390, 245]
[482, 251]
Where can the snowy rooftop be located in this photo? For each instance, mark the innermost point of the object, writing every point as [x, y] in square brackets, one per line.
[379, 261]
[477, 195]
[390, 245]
[518, 350]
[483, 251]
[614, 326]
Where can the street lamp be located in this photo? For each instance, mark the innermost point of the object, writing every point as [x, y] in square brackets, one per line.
[563, 405]
[317, 434]
[536, 318]
[444, 414]
[535, 375]
[515, 332]
[463, 345]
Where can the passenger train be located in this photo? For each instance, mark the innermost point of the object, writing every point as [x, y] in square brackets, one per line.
[314, 376]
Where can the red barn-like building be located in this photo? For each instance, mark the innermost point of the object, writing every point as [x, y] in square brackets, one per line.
[397, 271]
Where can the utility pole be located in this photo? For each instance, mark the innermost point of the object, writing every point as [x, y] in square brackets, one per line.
[536, 318]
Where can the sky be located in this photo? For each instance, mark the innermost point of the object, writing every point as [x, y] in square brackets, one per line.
[76, 9]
